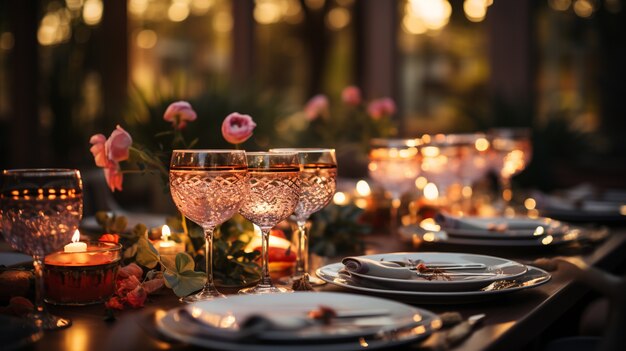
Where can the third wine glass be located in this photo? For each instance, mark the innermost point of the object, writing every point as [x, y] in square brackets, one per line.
[319, 182]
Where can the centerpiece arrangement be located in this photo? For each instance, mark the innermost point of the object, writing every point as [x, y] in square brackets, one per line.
[184, 253]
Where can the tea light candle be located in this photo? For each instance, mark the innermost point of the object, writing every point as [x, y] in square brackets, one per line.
[82, 277]
[75, 245]
[166, 246]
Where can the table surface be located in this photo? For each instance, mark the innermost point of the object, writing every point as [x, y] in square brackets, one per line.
[511, 320]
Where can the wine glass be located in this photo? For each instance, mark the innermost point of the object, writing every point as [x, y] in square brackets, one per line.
[208, 187]
[449, 159]
[394, 165]
[318, 185]
[511, 153]
[274, 194]
[40, 209]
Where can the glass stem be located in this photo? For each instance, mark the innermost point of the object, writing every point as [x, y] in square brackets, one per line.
[40, 307]
[302, 257]
[208, 258]
[266, 280]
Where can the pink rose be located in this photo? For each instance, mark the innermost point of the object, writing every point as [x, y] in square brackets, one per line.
[179, 113]
[131, 269]
[128, 284]
[109, 152]
[118, 144]
[98, 149]
[137, 297]
[351, 95]
[237, 128]
[113, 176]
[316, 106]
[379, 108]
[115, 303]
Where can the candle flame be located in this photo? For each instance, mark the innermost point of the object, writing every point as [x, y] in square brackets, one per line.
[165, 232]
[76, 236]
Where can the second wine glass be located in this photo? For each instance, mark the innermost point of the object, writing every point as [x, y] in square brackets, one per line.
[274, 193]
[208, 187]
[319, 182]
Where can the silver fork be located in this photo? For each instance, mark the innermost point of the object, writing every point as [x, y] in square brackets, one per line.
[412, 265]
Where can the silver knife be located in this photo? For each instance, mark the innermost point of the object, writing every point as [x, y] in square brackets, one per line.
[461, 331]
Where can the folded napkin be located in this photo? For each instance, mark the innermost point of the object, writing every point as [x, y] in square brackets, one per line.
[386, 269]
[500, 224]
[250, 328]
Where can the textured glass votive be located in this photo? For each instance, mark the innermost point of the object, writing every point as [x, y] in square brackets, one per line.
[82, 278]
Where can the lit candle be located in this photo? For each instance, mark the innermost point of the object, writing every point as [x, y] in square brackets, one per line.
[166, 246]
[75, 245]
[84, 276]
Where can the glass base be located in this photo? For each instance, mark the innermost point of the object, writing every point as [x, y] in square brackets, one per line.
[49, 321]
[314, 281]
[203, 295]
[265, 289]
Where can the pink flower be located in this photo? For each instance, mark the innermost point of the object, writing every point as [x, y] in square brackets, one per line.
[379, 108]
[114, 176]
[108, 153]
[118, 144]
[137, 297]
[237, 128]
[351, 95]
[131, 269]
[128, 284]
[115, 303]
[98, 149]
[179, 113]
[316, 106]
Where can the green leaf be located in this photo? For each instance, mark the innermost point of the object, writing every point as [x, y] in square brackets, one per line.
[131, 251]
[183, 280]
[184, 263]
[139, 231]
[119, 224]
[147, 255]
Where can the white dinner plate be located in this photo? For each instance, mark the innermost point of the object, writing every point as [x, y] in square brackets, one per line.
[498, 268]
[531, 279]
[572, 235]
[512, 228]
[217, 321]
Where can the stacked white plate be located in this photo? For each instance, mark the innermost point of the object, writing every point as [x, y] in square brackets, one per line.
[361, 322]
[502, 232]
[495, 277]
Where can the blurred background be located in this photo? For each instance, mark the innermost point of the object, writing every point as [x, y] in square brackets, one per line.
[73, 68]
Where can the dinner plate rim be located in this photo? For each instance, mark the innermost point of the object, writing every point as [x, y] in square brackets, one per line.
[429, 294]
[407, 233]
[443, 284]
[330, 344]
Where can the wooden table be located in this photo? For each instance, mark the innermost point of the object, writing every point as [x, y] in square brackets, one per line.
[512, 321]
